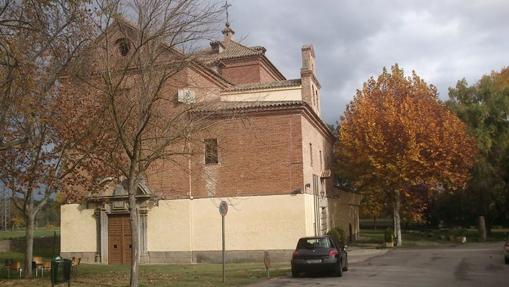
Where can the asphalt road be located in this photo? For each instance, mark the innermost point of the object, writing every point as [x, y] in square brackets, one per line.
[475, 264]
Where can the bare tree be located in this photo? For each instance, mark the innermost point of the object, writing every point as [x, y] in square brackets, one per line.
[136, 69]
[39, 39]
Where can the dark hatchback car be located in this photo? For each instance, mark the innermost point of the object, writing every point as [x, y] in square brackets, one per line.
[319, 254]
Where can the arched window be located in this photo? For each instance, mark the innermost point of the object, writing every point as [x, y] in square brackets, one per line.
[124, 46]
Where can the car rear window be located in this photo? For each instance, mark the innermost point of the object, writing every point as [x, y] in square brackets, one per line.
[312, 243]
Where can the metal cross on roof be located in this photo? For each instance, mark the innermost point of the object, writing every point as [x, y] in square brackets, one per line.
[226, 6]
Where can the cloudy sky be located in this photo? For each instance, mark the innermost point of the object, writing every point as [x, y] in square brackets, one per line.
[443, 41]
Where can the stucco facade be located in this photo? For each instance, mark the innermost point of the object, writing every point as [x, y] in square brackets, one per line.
[186, 230]
[78, 232]
[252, 223]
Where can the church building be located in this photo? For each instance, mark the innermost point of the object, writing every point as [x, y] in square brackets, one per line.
[271, 162]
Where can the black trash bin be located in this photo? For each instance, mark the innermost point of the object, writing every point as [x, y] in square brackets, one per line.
[60, 271]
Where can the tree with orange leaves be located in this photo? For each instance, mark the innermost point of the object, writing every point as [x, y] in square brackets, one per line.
[39, 41]
[397, 136]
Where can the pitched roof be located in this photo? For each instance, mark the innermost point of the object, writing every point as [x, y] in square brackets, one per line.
[231, 50]
[268, 85]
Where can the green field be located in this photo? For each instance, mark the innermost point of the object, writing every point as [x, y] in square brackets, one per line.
[41, 232]
[185, 275]
[43, 243]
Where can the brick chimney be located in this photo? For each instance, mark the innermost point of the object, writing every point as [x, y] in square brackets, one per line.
[217, 46]
[310, 84]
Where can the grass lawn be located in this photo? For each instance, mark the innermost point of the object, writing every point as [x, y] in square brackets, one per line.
[43, 244]
[40, 232]
[185, 275]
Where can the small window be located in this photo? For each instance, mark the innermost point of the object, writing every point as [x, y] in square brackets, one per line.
[123, 46]
[313, 95]
[311, 153]
[211, 151]
[321, 161]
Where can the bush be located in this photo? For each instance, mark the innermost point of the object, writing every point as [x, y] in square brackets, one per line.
[458, 232]
[388, 235]
[338, 234]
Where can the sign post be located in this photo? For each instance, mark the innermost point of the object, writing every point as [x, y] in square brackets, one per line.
[223, 210]
[266, 262]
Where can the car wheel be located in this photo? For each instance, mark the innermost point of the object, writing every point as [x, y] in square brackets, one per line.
[345, 268]
[295, 273]
[339, 269]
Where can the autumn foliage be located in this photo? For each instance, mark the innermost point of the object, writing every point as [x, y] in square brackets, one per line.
[39, 41]
[398, 142]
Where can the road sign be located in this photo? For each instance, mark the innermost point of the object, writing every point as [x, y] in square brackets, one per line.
[223, 208]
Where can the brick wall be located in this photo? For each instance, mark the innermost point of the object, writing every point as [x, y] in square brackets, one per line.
[253, 70]
[321, 145]
[310, 85]
[242, 72]
[258, 155]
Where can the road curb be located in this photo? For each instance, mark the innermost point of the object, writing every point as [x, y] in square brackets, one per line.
[361, 255]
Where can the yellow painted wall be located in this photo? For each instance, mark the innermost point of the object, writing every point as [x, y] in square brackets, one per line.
[252, 223]
[345, 211]
[309, 209]
[77, 229]
[168, 226]
[283, 94]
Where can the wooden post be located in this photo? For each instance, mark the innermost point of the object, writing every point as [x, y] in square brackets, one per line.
[222, 223]
[266, 262]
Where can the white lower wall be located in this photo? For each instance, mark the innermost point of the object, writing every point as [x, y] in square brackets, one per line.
[273, 222]
[77, 229]
[168, 226]
[252, 223]
[309, 207]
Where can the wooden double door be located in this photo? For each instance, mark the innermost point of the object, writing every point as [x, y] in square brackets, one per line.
[119, 239]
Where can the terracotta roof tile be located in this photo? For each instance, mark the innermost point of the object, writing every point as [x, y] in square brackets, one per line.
[231, 50]
[269, 85]
[245, 105]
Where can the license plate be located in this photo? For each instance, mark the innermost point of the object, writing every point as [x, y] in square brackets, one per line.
[312, 261]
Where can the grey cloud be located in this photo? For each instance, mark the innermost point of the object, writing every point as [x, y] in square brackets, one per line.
[443, 41]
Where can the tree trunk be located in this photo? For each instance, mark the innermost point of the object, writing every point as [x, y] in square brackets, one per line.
[374, 222]
[29, 248]
[396, 218]
[133, 216]
[135, 242]
[482, 228]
